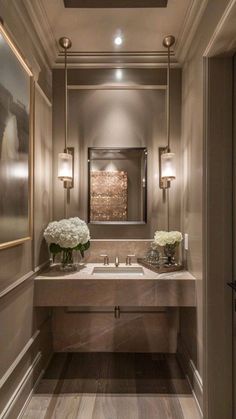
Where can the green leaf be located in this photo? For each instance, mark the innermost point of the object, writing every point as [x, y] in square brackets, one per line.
[55, 248]
[82, 247]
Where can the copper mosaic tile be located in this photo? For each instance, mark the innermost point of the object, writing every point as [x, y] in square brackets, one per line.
[109, 196]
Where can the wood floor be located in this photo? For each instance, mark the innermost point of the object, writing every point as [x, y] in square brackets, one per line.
[112, 386]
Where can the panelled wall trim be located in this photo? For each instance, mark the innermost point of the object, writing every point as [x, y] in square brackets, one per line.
[34, 387]
[191, 373]
[18, 358]
[39, 361]
[6, 412]
[24, 278]
[16, 283]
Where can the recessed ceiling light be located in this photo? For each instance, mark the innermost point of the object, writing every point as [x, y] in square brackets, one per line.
[118, 40]
[118, 74]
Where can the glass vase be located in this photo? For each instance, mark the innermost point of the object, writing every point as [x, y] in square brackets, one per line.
[169, 252]
[67, 261]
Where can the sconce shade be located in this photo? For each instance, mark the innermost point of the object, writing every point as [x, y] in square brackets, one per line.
[168, 169]
[65, 166]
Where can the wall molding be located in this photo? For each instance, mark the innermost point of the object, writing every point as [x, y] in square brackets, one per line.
[192, 374]
[34, 387]
[18, 359]
[30, 275]
[6, 411]
[39, 334]
[16, 283]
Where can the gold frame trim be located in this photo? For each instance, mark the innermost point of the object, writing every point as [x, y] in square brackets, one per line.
[31, 143]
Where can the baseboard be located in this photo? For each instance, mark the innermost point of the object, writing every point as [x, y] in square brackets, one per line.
[35, 387]
[6, 413]
[192, 374]
[24, 374]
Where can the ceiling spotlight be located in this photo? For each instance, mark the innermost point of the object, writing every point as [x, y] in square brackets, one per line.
[118, 40]
[118, 74]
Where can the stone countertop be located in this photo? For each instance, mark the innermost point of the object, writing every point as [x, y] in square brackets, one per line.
[85, 273]
[54, 288]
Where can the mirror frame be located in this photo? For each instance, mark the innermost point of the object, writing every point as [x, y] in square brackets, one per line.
[90, 149]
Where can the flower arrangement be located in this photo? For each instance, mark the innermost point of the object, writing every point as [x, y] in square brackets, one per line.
[163, 238]
[169, 240]
[67, 235]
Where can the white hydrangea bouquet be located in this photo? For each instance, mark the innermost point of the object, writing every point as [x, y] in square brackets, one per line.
[67, 235]
[169, 240]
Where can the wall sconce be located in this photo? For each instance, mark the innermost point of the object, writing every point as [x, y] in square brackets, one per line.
[66, 159]
[167, 170]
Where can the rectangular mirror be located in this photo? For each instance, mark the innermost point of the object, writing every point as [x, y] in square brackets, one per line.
[117, 182]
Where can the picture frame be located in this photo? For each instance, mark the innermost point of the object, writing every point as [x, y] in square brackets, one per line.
[16, 145]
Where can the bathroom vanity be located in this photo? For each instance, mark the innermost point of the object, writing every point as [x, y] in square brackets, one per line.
[101, 286]
[114, 309]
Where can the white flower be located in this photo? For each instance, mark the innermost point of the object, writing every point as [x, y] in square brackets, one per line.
[161, 238]
[67, 233]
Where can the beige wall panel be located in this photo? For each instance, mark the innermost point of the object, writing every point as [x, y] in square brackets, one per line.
[17, 323]
[18, 319]
[113, 248]
[128, 118]
[42, 175]
[15, 262]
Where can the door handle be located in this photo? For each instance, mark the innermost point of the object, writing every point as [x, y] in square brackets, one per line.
[232, 285]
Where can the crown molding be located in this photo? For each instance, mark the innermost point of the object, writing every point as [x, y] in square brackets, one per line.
[23, 16]
[39, 19]
[191, 22]
[42, 26]
[222, 41]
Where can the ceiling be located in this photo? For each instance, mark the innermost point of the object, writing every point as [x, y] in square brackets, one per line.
[92, 30]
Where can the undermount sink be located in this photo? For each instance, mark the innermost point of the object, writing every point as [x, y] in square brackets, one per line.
[119, 270]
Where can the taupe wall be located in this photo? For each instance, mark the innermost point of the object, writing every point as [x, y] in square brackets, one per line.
[192, 209]
[25, 337]
[143, 113]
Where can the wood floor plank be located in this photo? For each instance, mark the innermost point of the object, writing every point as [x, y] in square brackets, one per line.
[113, 386]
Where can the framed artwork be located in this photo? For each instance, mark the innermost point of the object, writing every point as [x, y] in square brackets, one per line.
[16, 90]
[109, 195]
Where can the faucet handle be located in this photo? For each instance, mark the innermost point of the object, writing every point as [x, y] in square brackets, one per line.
[105, 260]
[128, 259]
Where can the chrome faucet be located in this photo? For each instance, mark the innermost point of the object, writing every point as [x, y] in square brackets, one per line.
[128, 259]
[105, 260]
[117, 262]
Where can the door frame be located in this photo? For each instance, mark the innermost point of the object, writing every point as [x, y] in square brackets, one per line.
[218, 199]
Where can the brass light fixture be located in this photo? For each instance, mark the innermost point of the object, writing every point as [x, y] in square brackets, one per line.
[66, 159]
[167, 171]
